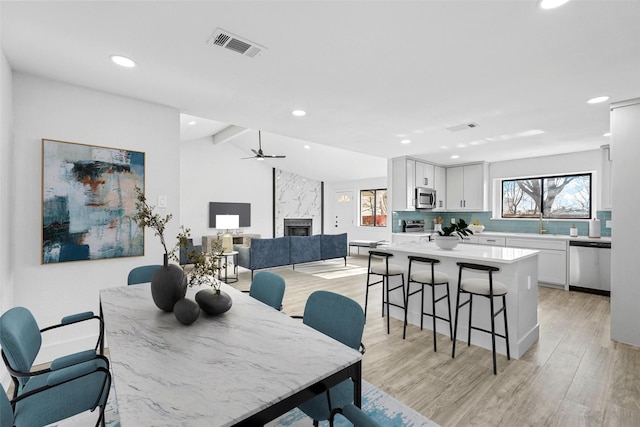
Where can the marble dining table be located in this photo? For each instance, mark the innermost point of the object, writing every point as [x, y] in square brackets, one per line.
[242, 368]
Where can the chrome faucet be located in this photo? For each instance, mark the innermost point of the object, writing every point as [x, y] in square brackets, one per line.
[541, 229]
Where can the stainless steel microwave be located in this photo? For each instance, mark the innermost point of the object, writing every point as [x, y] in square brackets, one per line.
[425, 198]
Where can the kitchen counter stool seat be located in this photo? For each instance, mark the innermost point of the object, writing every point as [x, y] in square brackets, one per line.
[486, 288]
[428, 277]
[385, 271]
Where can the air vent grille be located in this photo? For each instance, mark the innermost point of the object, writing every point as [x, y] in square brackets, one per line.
[463, 126]
[234, 43]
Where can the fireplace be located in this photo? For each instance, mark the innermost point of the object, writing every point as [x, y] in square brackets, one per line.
[297, 226]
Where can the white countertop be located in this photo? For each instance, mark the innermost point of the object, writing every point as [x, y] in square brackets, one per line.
[495, 254]
[522, 235]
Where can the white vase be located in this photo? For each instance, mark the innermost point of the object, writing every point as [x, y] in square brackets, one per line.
[446, 242]
[437, 227]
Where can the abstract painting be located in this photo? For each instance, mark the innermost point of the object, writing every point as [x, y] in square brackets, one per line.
[88, 201]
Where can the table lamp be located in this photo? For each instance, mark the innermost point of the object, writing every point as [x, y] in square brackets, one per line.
[227, 222]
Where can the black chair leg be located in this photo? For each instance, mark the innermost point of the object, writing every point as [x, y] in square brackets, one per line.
[449, 308]
[470, 316]
[455, 327]
[433, 315]
[493, 335]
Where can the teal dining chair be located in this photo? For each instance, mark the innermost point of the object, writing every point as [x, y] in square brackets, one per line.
[68, 391]
[354, 414]
[269, 288]
[342, 319]
[142, 274]
[20, 342]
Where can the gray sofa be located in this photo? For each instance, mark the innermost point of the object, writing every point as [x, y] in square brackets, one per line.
[291, 250]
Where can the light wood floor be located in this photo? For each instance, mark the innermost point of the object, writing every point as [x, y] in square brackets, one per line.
[573, 376]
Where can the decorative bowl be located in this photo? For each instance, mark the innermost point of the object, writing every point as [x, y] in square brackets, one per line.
[476, 228]
[446, 242]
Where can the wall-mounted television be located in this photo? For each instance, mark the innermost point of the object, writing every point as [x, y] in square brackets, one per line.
[219, 208]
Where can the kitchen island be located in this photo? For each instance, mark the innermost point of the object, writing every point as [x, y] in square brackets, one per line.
[518, 271]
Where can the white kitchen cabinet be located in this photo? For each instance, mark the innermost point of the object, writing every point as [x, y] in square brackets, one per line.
[552, 258]
[424, 174]
[440, 185]
[605, 179]
[466, 187]
[491, 241]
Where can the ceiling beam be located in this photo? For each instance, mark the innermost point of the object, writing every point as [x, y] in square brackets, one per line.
[228, 133]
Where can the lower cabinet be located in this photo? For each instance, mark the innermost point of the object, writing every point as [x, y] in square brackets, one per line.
[552, 259]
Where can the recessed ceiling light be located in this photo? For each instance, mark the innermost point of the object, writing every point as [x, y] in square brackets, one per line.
[299, 113]
[405, 141]
[191, 123]
[597, 99]
[307, 147]
[123, 61]
[455, 156]
[551, 4]
[606, 134]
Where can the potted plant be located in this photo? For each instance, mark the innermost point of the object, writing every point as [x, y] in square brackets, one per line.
[168, 284]
[437, 224]
[450, 235]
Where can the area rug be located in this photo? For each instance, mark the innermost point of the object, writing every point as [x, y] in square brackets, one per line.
[331, 270]
[384, 409]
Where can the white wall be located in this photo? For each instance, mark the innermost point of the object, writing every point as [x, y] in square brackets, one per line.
[6, 181]
[356, 232]
[216, 173]
[48, 109]
[625, 290]
[6, 192]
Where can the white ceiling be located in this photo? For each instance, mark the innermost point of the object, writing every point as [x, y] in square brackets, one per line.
[368, 73]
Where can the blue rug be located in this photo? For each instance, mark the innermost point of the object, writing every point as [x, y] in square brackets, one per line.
[386, 410]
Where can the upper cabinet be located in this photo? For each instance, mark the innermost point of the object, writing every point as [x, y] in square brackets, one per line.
[605, 179]
[424, 174]
[457, 188]
[440, 185]
[467, 187]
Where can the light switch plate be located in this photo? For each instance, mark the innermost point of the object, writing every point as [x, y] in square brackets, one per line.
[162, 201]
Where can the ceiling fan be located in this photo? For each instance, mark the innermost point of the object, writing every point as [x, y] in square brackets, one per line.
[259, 154]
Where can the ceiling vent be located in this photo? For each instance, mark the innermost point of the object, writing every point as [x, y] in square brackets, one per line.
[237, 44]
[464, 126]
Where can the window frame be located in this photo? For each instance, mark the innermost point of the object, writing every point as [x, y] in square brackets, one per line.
[541, 202]
[375, 204]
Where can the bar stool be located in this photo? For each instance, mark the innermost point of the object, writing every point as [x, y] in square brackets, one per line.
[487, 288]
[386, 271]
[430, 278]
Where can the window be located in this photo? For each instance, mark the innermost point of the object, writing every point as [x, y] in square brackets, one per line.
[557, 197]
[373, 208]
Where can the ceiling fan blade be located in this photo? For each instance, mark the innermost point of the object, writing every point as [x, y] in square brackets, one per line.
[273, 156]
[255, 152]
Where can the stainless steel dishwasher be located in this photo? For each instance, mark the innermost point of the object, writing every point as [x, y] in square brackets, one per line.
[590, 266]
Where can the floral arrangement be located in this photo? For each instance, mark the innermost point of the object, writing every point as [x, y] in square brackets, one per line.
[437, 220]
[146, 217]
[205, 266]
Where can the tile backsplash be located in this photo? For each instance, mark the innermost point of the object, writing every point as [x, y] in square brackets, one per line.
[504, 225]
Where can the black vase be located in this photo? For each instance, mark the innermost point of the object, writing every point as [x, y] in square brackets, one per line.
[168, 286]
[186, 311]
[213, 301]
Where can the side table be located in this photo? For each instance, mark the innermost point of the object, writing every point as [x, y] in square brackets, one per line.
[234, 258]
